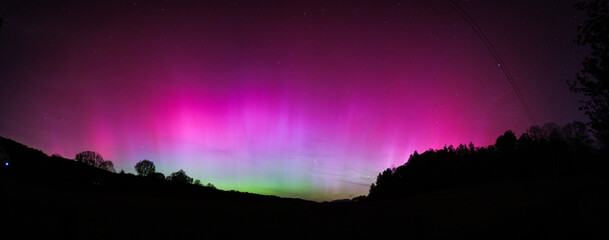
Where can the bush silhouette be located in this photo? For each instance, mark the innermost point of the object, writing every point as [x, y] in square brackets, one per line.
[157, 175]
[180, 177]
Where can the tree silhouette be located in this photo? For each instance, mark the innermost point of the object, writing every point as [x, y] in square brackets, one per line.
[180, 177]
[144, 168]
[536, 133]
[94, 159]
[89, 158]
[576, 135]
[107, 165]
[593, 79]
[507, 141]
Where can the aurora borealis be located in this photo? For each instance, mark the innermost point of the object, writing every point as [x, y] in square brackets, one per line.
[308, 99]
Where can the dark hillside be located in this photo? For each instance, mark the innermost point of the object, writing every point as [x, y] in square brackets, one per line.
[33, 166]
[70, 200]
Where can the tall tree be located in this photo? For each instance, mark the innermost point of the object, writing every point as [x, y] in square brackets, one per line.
[593, 79]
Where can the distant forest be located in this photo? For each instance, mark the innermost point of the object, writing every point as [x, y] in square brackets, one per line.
[550, 151]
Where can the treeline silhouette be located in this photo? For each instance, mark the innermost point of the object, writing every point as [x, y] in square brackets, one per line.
[550, 151]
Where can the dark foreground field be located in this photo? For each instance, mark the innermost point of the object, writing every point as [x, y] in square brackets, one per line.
[525, 208]
[50, 197]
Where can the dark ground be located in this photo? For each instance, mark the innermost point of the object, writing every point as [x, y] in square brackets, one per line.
[62, 198]
[499, 210]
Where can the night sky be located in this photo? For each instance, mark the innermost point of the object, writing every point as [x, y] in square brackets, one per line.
[296, 99]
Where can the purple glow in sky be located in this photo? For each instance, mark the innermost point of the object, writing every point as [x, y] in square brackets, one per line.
[307, 100]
